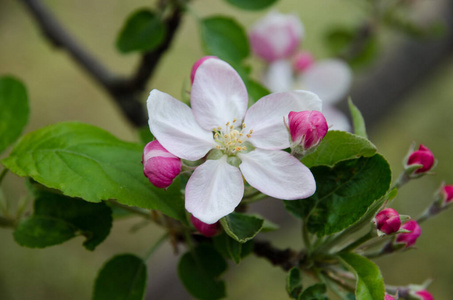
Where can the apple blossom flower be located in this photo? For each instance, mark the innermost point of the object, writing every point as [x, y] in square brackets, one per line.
[424, 157]
[423, 295]
[409, 238]
[307, 129]
[239, 143]
[388, 221]
[330, 79]
[208, 230]
[159, 165]
[276, 36]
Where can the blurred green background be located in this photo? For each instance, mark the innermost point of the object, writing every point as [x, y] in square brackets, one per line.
[59, 91]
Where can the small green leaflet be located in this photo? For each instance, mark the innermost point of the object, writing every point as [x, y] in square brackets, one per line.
[242, 227]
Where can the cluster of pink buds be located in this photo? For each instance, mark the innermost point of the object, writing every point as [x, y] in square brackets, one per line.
[422, 159]
[159, 165]
[307, 129]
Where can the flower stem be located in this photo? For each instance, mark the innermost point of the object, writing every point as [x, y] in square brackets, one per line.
[156, 245]
[371, 234]
[2, 174]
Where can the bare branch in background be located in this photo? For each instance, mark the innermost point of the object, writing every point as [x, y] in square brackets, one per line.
[126, 92]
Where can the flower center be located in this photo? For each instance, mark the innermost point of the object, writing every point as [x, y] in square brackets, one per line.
[230, 139]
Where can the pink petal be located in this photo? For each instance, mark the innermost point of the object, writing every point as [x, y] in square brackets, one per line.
[266, 116]
[174, 125]
[218, 94]
[277, 174]
[214, 190]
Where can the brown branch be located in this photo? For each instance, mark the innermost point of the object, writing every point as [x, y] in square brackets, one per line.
[286, 259]
[126, 92]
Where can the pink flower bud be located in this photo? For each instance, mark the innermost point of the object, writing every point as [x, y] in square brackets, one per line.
[196, 65]
[159, 165]
[302, 61]
[307, 128]
[276, 36]
[388, 221]
[205, 229]
[409, 238]
[388, 297]
[423, 156]
[447, 193]
[424, 295]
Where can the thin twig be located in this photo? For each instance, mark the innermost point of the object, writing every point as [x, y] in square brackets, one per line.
[126, 92]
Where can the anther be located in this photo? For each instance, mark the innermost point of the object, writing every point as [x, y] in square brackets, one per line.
[234, 120]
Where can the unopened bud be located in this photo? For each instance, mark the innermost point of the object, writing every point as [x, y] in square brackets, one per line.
[388, 221]
[424, 157]
[409, 238]
[423, 295]
[197, 64]
[159, 165]
[208, 230]
[307, 129]
[447, 194]
[276, 36]
[389, 297]
[302, 61]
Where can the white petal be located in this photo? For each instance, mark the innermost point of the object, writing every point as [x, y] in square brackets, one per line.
[174, 126]
[279, 76]
[214, 190]
[336, 119]
[330, 79]
[218, 94]
[277, 174]
[266, 116]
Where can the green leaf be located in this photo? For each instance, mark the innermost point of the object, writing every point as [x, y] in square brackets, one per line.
[294, 283]
[224, 38]
[86, 162]
[357, 120]
[343, 194]
[93, 220]
[14, 110]
[314, 292]
[370, 284]
[255, 90]
[143, 31]
[70, 216]
[242, 227]
[228, 247]
[339, 146]
[122, 277]
[252, 4]
[199, 271]
[43, 231]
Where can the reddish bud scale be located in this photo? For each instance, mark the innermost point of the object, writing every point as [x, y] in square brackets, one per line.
[159, 165]
[423, 156]
[307, 128]
[409, 238]
[388, 221]
[208, 230]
